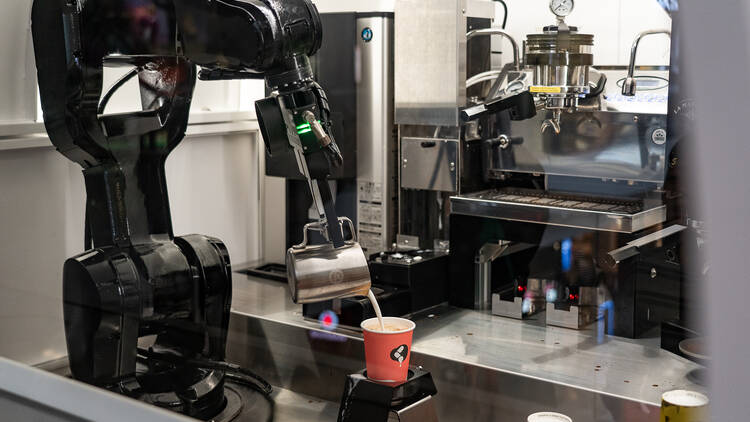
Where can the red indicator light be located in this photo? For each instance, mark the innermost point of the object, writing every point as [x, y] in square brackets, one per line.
[572, 297]
[521, 288]
[328, 320]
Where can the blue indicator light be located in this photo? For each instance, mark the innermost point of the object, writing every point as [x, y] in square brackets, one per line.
[566, 254]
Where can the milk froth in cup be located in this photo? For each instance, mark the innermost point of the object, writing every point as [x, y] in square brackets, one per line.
[548, 417]
[387, 327]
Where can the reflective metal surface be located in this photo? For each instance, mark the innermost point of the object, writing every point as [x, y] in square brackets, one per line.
[584, 212]
[622, 146]
[421, 411]
[294, 407]
[430, 71]
[28, 393]
[483, 272]
[322, 272]
[376, 167]
[484, 366]
[532, 302]
[576, 317]
[631, 248]
[555, 67]
[429, 164]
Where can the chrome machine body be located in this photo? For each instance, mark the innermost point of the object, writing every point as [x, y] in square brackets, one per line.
[376, 160]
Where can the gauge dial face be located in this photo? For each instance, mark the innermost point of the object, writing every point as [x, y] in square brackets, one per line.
[561, 7]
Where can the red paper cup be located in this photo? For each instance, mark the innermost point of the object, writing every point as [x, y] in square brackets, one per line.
[387, 353]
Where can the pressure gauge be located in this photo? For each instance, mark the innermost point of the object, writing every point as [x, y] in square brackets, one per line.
[561, 8]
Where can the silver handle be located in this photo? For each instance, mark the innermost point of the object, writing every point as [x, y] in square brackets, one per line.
[629, 86]
[320, 227]
[630, 249]
[483, 77]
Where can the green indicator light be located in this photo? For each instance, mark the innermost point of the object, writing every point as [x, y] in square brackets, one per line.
[307, 130]
[303, 126]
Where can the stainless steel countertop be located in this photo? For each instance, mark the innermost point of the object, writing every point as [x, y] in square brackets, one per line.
[634, 369]
[288, 405]
[293, 407]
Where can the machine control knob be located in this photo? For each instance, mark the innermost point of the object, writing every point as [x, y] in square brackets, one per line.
[504, 141]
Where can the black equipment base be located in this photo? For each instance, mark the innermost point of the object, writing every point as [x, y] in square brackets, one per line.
[365, 400]
[268, 271]
[409, 283]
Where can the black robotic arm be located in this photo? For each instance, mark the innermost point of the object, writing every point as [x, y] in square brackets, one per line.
[276, 39]
[138, 279]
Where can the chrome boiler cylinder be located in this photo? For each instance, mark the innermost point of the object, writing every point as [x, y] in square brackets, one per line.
[560, 58]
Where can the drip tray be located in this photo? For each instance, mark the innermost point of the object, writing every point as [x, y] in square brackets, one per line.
[623, 215]
[269, 271]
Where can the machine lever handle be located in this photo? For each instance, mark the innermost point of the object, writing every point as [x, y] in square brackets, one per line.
[521, 107]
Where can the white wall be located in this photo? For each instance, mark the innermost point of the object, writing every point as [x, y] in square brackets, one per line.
[41, 224]
[214, 189]
[614, 23]
[17, 54]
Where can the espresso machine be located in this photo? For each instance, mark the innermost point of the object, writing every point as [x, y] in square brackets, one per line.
[540, 171]
[146, 313]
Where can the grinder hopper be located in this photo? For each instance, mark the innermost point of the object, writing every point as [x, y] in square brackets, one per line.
[324, 272]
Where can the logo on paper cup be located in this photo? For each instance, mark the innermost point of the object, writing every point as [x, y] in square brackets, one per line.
[399, 354]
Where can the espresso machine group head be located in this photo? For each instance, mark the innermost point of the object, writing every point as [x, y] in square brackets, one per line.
[136, 278]
[558, 74]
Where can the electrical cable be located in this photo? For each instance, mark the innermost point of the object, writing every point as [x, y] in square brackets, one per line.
[505, 20]
[88, 242]
[243, 380]
[235, 372]
[505, 15]
[120, 82]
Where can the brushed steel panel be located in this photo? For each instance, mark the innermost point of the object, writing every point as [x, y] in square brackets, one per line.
[376, 157]
[429, 164]
[611, 145]
[430, 60]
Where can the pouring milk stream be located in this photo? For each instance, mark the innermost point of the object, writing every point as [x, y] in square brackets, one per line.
[376, 307]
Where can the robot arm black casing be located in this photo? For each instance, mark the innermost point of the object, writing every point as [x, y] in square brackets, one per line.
[139, 279]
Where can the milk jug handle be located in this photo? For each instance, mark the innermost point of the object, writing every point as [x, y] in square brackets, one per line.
[320, 227]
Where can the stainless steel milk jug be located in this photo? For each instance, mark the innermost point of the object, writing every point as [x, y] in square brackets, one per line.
[322, 272]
